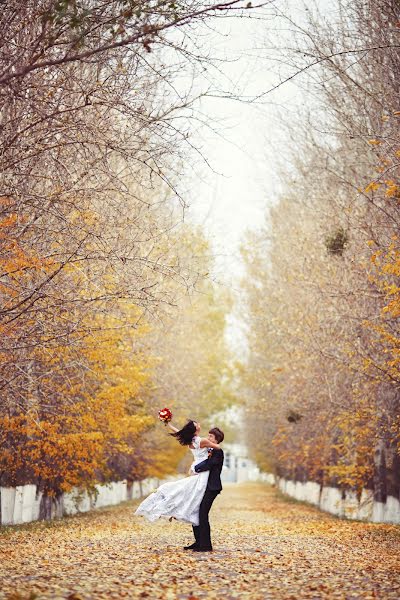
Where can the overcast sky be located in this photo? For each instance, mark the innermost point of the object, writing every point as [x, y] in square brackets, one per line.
[234, 196]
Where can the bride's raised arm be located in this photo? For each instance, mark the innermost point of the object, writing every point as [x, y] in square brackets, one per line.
[205, 443]
[174, 429]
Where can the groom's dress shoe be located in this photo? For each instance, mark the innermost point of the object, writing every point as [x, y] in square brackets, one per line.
[200, 549]
[191, 547]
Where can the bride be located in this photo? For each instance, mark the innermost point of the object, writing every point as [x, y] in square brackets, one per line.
[181, 499]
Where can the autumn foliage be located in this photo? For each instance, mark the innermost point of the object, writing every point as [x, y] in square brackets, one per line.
[322, 291]
[99, 272]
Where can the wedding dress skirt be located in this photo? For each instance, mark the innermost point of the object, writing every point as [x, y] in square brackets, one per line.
[180, 499]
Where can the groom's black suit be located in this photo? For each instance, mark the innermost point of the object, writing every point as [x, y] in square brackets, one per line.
[213, 464]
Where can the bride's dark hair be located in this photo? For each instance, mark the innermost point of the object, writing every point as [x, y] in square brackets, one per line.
[186, 434]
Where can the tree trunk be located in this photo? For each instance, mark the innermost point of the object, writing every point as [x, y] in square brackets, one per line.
[393, 472]
[380, 474]
[129, 489]
[45, 508]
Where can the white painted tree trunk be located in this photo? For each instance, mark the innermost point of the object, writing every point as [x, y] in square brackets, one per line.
[339, 502]
[24, 504]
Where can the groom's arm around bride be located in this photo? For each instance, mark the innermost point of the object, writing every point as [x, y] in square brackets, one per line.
[213, 464]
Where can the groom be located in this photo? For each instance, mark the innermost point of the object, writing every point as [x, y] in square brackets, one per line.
[213, 464]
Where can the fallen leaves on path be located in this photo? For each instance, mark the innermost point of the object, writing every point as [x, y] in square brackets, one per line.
[265, 547]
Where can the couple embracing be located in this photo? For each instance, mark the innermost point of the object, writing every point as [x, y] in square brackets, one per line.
[190, 499]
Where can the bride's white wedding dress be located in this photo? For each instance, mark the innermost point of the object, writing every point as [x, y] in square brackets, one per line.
[179, 499]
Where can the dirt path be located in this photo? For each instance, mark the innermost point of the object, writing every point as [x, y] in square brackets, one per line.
[265, 547]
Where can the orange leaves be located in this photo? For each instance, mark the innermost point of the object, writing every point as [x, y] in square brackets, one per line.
[90, 421]
[119, 377]
[355, 439]
[82, 376]
[392, 189]
[41, 449]
[304, 446]
[15, 258]
[386, 277]
[372, 187]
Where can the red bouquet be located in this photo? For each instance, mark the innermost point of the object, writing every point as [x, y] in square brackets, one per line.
[165, 415]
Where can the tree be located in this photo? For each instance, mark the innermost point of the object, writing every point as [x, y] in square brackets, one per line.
[322, 343]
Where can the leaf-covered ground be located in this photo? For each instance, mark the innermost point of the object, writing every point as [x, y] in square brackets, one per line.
[265, 546]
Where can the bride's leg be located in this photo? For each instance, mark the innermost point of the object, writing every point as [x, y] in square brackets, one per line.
[196, 543]
[196, 533]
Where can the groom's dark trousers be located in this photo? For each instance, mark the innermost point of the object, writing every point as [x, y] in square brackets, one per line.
[213, 464]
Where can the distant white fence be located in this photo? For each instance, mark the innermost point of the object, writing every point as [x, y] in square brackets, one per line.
[26, 503]
[238, 468]
[344, 504]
